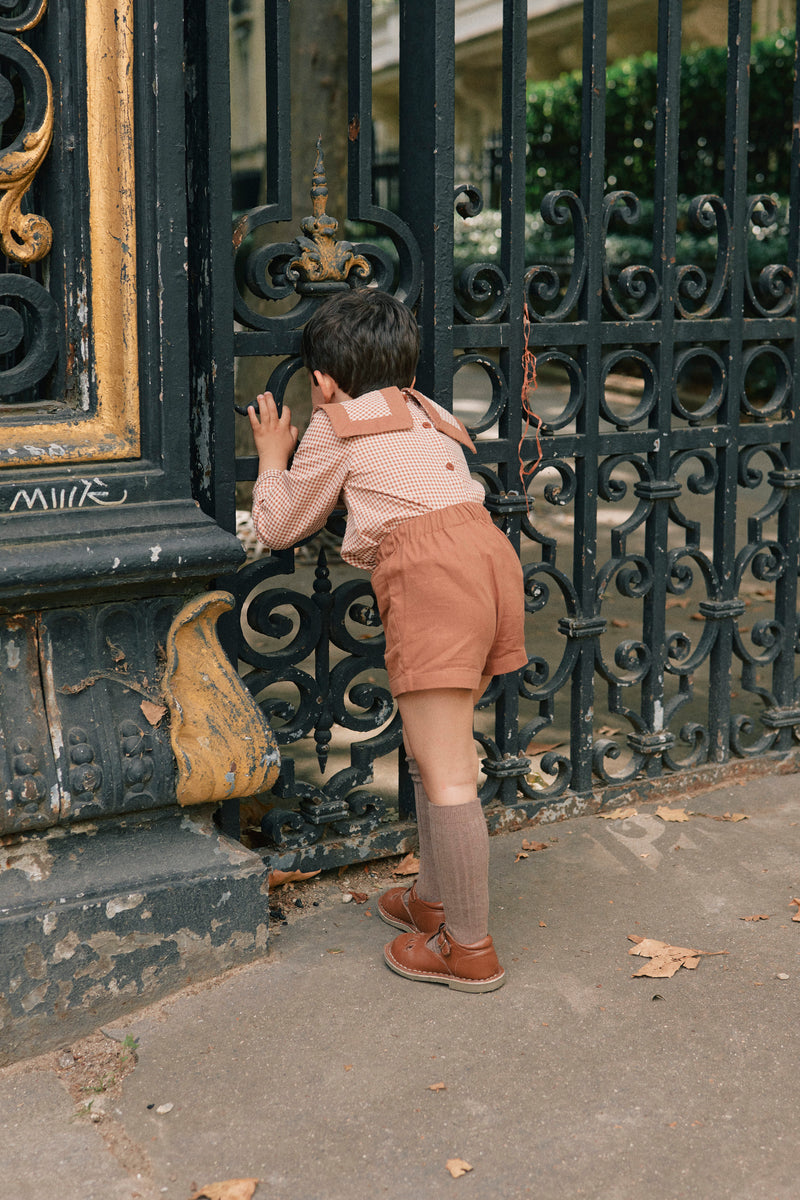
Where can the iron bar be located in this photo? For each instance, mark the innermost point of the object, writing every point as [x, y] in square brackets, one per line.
[675, 499]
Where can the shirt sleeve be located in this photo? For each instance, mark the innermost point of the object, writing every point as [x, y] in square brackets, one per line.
[291, 505]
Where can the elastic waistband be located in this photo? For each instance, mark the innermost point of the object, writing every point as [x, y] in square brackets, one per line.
[431, 522]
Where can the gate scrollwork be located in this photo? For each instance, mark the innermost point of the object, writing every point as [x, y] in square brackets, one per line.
[654, 504]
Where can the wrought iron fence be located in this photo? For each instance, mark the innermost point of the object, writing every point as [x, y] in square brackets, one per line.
[650, 484]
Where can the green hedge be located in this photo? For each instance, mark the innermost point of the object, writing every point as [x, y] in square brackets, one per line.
[554, 124]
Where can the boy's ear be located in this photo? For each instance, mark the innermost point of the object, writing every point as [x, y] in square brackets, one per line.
[327, 386]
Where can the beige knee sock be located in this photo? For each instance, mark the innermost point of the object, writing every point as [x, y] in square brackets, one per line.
[427, 881]
[460, 843]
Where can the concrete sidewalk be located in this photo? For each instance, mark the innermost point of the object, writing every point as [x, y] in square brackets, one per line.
[316, 1071]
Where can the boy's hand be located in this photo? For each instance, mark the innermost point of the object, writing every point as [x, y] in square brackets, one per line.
[275, 436]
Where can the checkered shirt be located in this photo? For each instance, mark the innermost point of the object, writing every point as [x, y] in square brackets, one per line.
[383, 478]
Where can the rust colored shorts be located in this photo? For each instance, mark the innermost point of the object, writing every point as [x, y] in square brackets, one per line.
[450, 594]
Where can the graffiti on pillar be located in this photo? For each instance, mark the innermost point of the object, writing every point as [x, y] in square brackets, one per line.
[82, 494]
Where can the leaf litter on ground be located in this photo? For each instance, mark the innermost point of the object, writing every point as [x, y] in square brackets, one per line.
[739, 816]
[229, 1189]
[407, 866]
[529, 848]
[672, 814]
[665, 959]
[457, 1167]
[279, 878]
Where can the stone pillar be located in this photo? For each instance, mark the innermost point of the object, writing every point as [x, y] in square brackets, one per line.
[122, 723]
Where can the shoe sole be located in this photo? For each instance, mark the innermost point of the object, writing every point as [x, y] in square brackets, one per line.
[396, 922]
[457, 985]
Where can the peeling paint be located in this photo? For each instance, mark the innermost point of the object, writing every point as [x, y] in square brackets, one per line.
[65, 949]
[35, 863]
[109, 946]
[658, 716]
[13, 656]
[122, 947]
[6, 1016]
[35, 963]
[241, 941]
[191, 825]
[34, 998]
[123, 904]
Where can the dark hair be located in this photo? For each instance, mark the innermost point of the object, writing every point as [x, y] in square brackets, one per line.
[365, 340]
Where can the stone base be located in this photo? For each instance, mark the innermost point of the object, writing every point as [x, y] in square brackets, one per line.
[101, 919]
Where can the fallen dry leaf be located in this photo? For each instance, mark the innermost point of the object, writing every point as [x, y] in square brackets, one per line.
[251, 811]
[724, 817]
[796, 916]
[279, 878]
[756, 917]
[457, 1166]
[618, 814]
[360, 897]
[230, 1189]
[526, 845]
[665, 959]
[153, 712]
[407, 866]
[437, 1087]
[521, 854]
[607, 730]
[672, 814]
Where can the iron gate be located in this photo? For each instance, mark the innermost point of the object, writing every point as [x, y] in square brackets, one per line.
[647, 504]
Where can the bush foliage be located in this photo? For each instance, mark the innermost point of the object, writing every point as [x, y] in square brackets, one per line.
[554, 124]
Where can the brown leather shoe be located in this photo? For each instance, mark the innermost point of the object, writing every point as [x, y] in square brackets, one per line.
[402, 907]
[440, 959]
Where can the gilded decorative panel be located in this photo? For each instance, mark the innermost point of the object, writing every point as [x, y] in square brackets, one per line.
[69, 379]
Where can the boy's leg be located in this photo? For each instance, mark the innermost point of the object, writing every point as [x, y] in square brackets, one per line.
[438, 728]
[427, 885]
[417, 907]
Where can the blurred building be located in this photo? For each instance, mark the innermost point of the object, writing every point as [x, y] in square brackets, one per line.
[554, 46]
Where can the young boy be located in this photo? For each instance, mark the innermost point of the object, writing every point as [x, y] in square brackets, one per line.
[448, 586]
